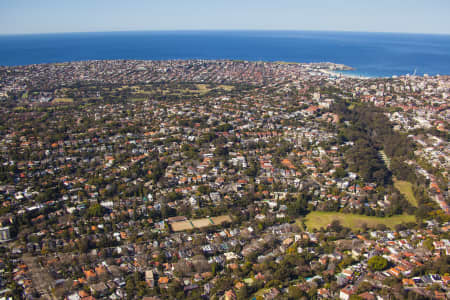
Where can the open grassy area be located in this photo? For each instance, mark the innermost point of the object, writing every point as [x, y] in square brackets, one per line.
[318, 219]
[226, 87]
[140, 90]
[19, 108]
[204, 88]
[405, 188]
[62, 100]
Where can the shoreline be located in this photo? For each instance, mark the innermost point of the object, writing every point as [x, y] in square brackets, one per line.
[266, 46]
[338, 73]
[326, 67]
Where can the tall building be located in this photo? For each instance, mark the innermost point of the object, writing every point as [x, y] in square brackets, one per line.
[4, 234]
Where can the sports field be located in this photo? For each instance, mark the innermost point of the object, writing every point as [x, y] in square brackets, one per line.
[181, 226]
[318, 219]
[220, 219]
[62, 100]
[405, 188]
[199, 223]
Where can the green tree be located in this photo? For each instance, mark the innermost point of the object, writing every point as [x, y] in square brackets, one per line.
[294, 292]
[95, 210]
[377, 263]
[428, 243]
[340, 173]
[242, 293]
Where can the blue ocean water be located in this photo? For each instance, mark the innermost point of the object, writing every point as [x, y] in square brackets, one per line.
[371, 54]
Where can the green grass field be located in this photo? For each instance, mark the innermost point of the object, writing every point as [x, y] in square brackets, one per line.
[318, 219]
[204, 88]
[63, 100]
[226, 87]
[405, 188]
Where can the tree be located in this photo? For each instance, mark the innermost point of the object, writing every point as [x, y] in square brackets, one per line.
[295, 292]
[83, 245]
[336, 226]
[340, 173]
[95, 210]
[158, 171]
[377, 263]
[221, 151]
[130, 286]
[428, 243]
[299, 207]
[242, 293]
[174, 288]
[381, 227]
[204, 189]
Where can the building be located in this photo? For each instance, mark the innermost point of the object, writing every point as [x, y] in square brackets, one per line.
[346, 292]
[149, 278]
[4, 234]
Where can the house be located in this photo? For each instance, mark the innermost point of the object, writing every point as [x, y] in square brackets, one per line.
[149, 278]
[74, 296]
[367, 296]
[229, 295]
[323, 293]
[346, 292]
[272, 294]
[99, 289]
[163, 282]
[230, 255]
[4, 234]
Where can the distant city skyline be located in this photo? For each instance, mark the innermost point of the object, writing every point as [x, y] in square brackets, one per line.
[50, 16]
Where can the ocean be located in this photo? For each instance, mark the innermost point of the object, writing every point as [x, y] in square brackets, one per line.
[371, 54]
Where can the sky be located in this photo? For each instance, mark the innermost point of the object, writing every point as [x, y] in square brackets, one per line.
[51, 16]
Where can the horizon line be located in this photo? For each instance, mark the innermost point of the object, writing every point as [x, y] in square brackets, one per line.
[223, 30]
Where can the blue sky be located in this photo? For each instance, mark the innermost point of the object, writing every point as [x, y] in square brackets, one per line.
[45, 16]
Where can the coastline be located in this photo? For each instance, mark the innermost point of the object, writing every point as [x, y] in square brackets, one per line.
[338, 73]
[327, 68]
[374, 55]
